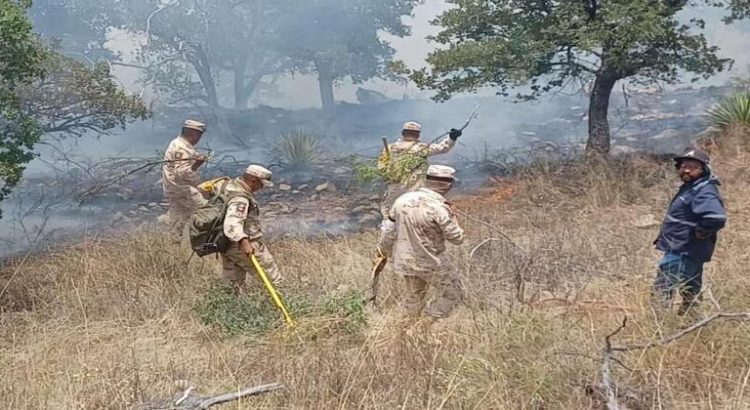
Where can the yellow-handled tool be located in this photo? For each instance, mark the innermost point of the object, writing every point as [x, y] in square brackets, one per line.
[375, 277]
[274, 295]
[209, 185]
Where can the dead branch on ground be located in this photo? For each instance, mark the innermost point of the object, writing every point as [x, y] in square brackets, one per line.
[185, 400]
[610, 390]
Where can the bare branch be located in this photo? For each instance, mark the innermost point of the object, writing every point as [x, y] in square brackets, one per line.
[665, 341]
[471, 254]
[496, 229]
[610, 389]
[609, 385]
[186, 402]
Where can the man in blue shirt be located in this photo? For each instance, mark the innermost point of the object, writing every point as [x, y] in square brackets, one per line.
[689, 232]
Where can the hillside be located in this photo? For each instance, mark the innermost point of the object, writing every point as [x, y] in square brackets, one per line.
[119, 321]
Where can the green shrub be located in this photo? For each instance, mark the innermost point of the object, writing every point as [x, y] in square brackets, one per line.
[731, 111]
[252, 312]
[396, 169]
[349, 306]
[298, 151]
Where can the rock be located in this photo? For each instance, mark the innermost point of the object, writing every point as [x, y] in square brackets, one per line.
[376, 198]
[341, 171]
[143, 209]
[646, 221]
[339, 209]
[325, 186]
[163, 219]
[669, 133]
[370, 97]
[369, 219]
[295, 192]
[360, 209]
[285, 187]
[152, 204]
[278, 208]
[303, 187]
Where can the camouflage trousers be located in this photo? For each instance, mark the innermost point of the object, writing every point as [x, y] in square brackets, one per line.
[181, 208]
[235, 266]
[392, 192]
[448, 295]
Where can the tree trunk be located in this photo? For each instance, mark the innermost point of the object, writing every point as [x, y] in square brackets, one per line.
[197, 57]
[598, 141]
[325, 82]
[240, 95]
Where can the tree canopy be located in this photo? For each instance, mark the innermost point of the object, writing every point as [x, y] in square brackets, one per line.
[342, 39]
[44, 92]
[541, 46]
[73, 99]
[194, 47]
[21, 61]
[191, 43]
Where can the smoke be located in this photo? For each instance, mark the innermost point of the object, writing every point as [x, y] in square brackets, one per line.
[34, 210]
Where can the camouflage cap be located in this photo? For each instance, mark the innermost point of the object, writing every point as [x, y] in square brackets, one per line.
[441, 172]
[412, 126]
[194, 125]
[261, 173]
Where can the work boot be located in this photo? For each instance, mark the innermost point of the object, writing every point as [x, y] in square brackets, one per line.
[661, 304]
[690, 308]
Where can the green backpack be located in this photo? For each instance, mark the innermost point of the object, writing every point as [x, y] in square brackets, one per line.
[207, 225]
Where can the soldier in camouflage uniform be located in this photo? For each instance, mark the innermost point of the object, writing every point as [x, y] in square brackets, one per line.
[422, 222]
[180, 176]
[409, 143]
[242, 228]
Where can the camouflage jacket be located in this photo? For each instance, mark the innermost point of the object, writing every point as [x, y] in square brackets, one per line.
[177, 175]
[242, 219]
[423, 222]
[402, 146]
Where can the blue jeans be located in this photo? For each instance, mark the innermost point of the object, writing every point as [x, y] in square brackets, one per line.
[678, 272]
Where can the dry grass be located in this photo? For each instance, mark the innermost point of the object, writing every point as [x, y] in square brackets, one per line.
[110, 323]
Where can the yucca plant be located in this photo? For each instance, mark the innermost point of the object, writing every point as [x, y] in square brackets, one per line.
[297, 151]
[731, 112]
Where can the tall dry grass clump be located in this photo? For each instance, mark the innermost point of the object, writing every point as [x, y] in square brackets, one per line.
[112, 323]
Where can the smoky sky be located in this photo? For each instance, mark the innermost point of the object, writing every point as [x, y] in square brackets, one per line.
[301, 91]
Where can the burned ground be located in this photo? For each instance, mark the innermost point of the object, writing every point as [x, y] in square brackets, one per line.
[112, 322]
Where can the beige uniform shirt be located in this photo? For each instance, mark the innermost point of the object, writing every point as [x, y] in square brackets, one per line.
[243, 216]
[423, 223]
[412, 146]
[177, 175]
[402, 146]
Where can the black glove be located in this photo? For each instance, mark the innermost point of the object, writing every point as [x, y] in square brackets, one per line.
[454, 134]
